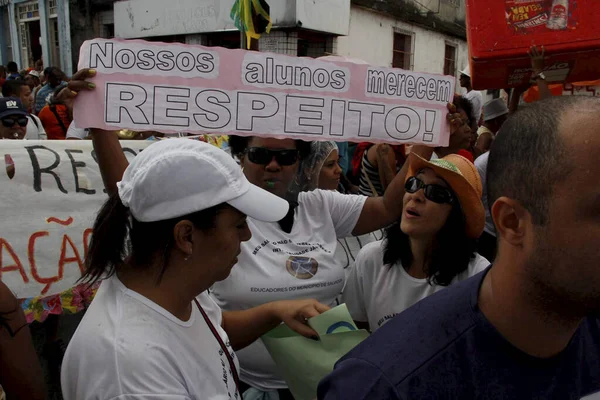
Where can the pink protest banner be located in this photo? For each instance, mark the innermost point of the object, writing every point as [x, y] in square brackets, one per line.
[196, 89]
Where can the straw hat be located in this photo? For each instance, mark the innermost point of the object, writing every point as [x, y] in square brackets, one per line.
[463, 178]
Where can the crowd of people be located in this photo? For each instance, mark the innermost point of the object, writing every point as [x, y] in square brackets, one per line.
[49, 116]
[482, 287]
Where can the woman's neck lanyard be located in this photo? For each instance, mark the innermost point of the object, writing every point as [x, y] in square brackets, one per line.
[212, 328]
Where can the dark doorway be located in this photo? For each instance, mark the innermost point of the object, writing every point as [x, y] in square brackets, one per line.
[35, 32]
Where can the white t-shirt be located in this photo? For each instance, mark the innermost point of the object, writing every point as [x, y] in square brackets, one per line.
[35, 129]
[348, 248]
[376, 292]
[129, 348]
[477, 100]
[76, 133]
[481, 164]
[274, 265]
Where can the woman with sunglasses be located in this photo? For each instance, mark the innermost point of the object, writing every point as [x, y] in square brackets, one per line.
[431, 246]
[13, 118]
[290, 259]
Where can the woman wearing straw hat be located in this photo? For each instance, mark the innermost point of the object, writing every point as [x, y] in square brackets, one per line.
[152, 331]
[429, 248]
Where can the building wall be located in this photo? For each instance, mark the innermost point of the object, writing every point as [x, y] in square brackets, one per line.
[371, 39]
[447, 10]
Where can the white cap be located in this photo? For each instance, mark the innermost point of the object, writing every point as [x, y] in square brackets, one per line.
[494, 109]
[177, 177]
[466, 71]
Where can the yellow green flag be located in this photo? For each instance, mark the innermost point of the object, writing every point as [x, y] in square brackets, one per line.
[252, 17]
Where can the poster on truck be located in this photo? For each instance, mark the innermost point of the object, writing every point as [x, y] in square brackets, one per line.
[537, 16]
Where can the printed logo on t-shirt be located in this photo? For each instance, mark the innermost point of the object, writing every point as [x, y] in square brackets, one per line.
[386, 319]
[227, 372]
[302, 267]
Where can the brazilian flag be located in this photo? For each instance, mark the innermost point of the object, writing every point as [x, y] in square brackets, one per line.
[252, 17]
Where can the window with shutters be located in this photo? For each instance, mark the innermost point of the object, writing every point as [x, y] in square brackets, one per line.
[403, 51]
[450, 60]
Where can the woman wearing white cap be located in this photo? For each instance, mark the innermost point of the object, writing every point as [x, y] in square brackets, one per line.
[293, 258]
[152, 331]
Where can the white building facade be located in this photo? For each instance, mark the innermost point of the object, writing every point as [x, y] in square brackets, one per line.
[374, 36]
[425, 35]
[32, 30]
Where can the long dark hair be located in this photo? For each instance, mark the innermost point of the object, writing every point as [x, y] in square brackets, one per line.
[451, 253]
[117, 235]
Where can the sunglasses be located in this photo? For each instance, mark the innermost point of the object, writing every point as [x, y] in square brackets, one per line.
[436, 193]
[9, 122]
[263, 156]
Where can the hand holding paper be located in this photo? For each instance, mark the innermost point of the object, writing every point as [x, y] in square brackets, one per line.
[294, 314]
[304, 362]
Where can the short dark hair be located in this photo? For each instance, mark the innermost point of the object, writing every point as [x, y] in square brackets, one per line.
[117, 235]
[12, 67]
[239, 144]
[463, 104]
[452, 253]
[13, 88]
[529, 155]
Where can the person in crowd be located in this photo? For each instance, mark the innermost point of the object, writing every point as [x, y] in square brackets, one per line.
[39, 66]
[152, 331]
[345, 156]
[474, 96]
[2, 75]
[527, 327]
[13, 71]
[345, 162]
[54, 78]
[460, 141]
[321, 170]
[285, 254]
[13, 118]
[487, 242]
[429, 248]
[379, 165]
[33, 80]
[73, 132]
[22, 376]
[56, 117]
[20, 89]
[495, 113]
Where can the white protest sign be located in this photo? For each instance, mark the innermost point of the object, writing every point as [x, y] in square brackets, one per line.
[51, 192]
[195, 89]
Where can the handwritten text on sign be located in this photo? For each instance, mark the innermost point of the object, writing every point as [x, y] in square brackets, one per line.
[172, 88]
[51, 192]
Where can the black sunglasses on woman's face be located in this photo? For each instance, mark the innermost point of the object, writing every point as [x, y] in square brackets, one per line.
[436, 193]
[263, 156]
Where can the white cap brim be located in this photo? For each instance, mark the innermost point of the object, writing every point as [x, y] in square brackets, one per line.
[259, 204]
